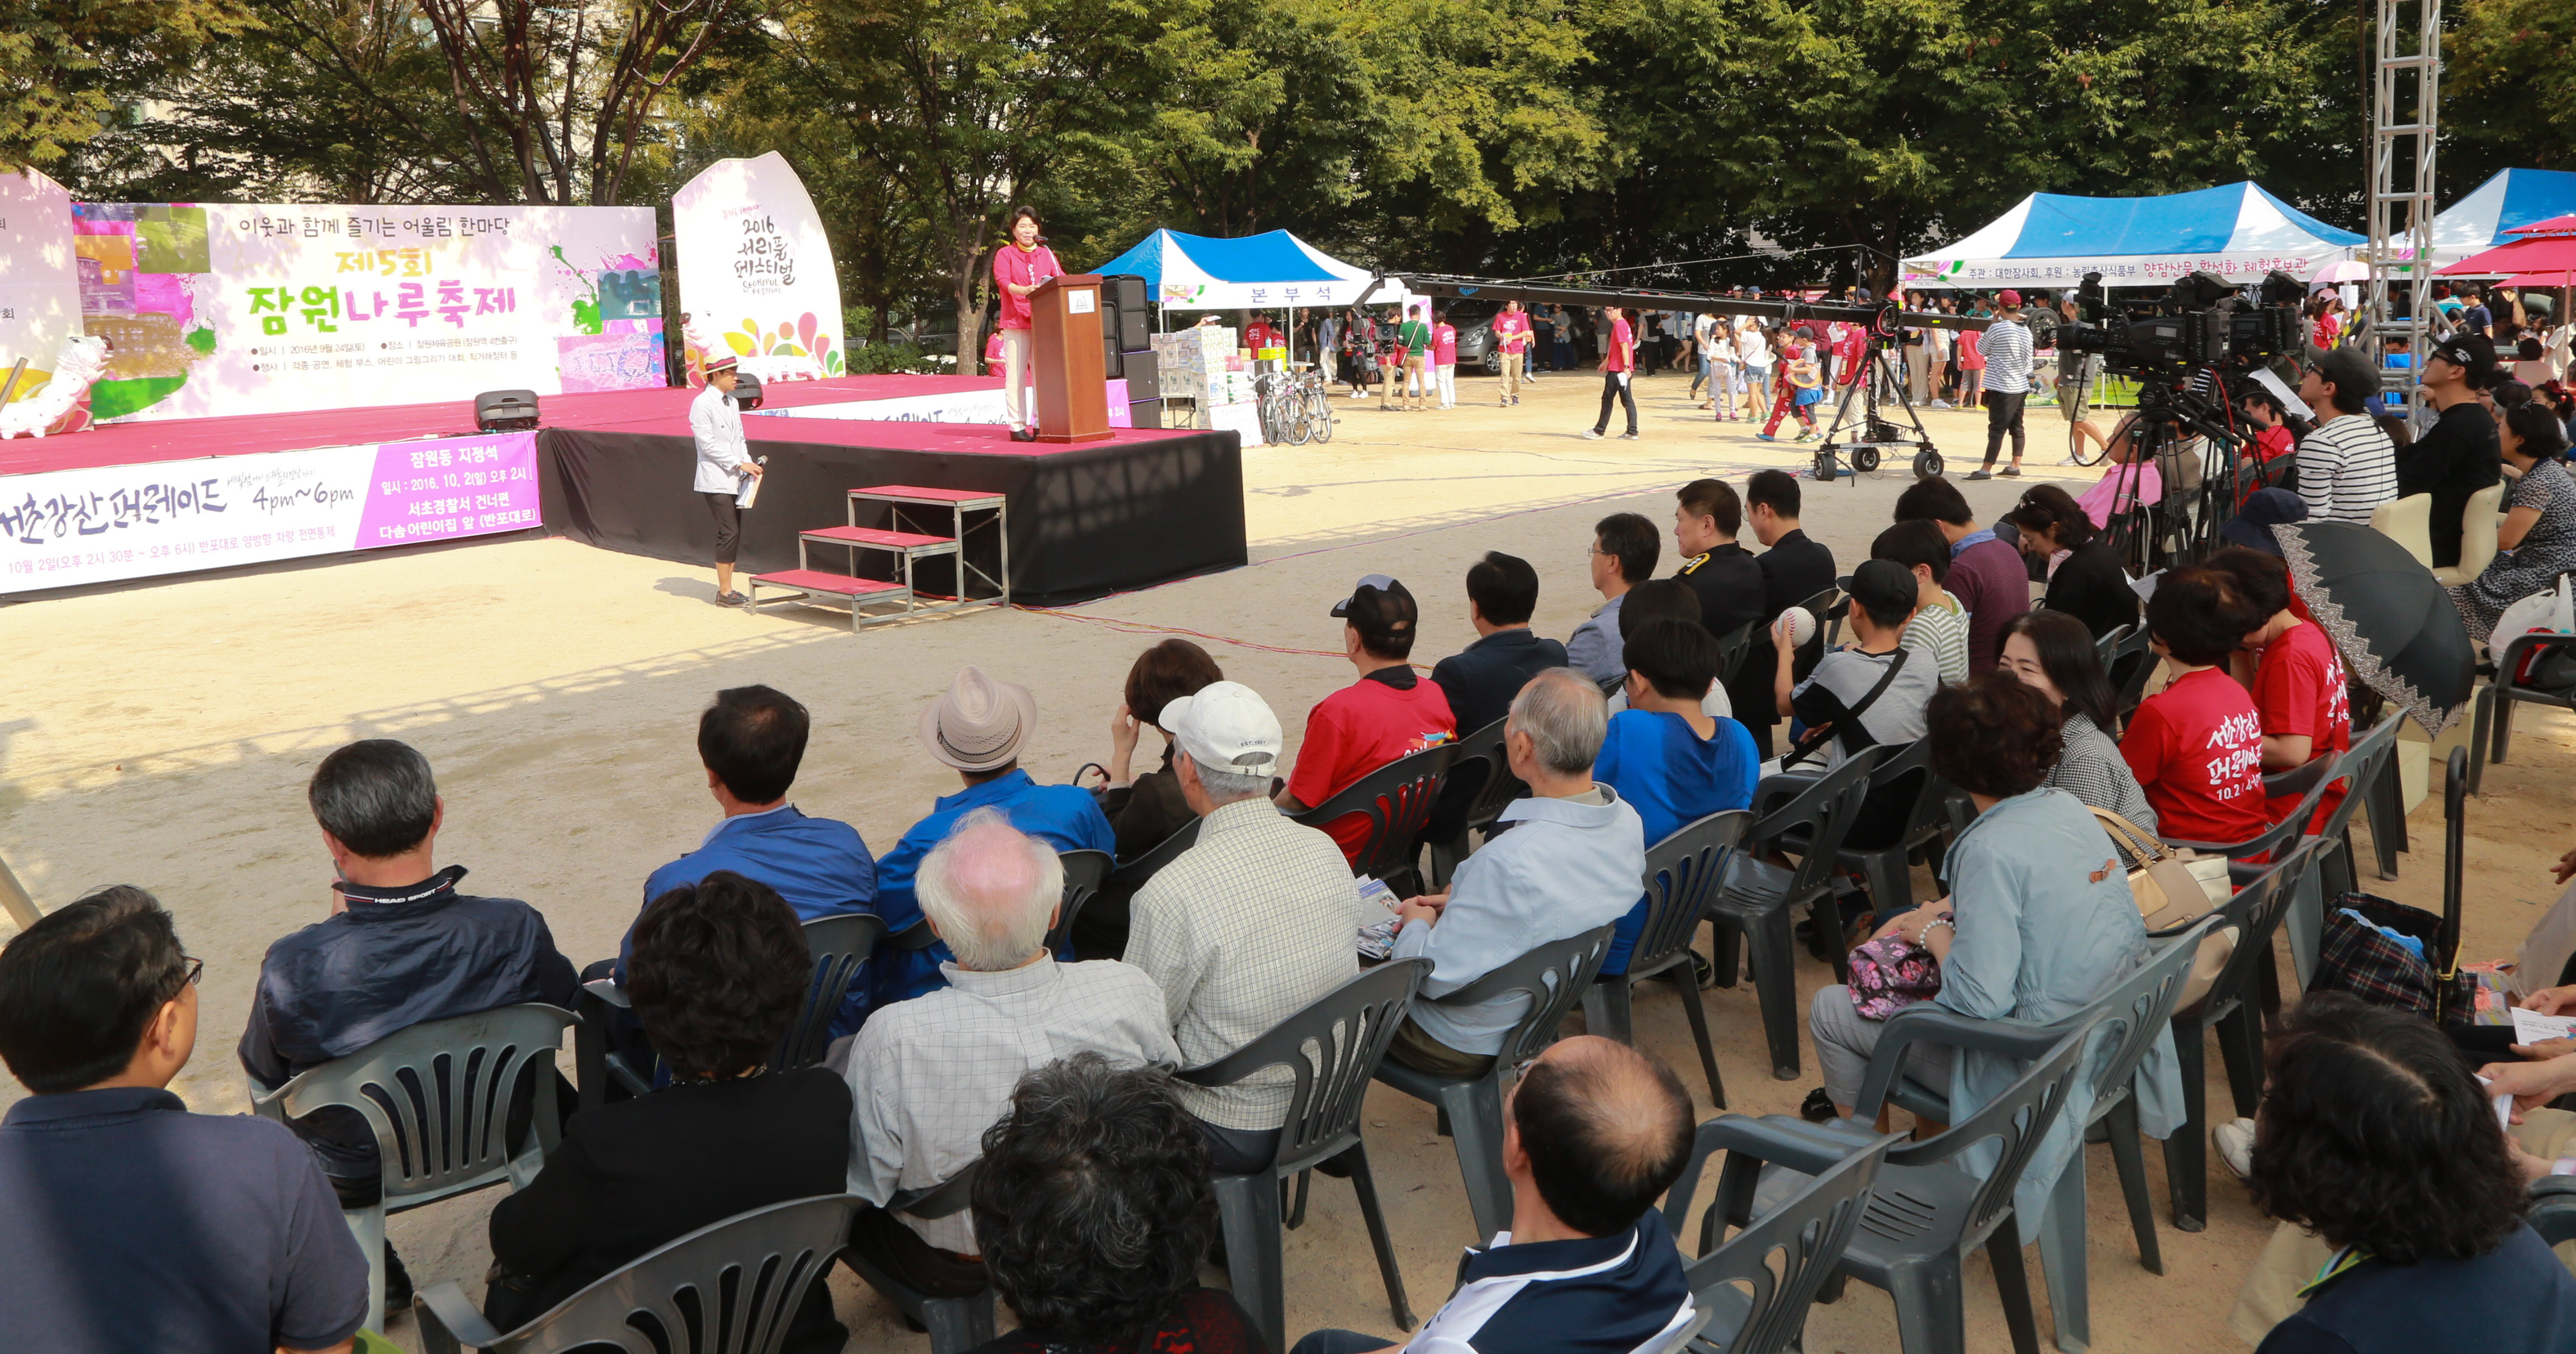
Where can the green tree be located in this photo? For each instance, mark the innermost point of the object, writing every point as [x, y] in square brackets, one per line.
[2505, 100]
[67, 66]
[965, 105]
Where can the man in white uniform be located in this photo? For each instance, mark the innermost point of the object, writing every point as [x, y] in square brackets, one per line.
[723, 461]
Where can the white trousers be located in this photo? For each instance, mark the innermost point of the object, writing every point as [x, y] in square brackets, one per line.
[1449, 385]
[1016, 352]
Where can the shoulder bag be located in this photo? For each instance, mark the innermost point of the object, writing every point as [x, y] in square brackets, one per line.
[2172, 893]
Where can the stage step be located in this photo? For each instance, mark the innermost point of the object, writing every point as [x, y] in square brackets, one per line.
[966, 499]
[870, 538]
[898, 500]
[838, 585]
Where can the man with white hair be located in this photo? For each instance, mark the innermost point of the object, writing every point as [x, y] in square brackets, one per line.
[1570, 862]
[1246, 927]
[927, 1076]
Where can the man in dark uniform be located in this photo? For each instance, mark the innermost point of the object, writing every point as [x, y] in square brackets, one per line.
[1794, 569]
[1728, 580]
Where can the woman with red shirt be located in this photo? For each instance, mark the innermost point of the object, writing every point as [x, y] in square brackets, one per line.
[2296, 677]
[2197, 746]
[1018, 268]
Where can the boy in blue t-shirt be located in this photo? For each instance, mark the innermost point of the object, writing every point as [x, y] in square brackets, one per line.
[1672, 762]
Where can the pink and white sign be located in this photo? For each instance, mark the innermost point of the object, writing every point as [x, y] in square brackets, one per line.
[64, 528]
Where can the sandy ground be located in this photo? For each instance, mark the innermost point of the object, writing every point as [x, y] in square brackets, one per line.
[162, 735]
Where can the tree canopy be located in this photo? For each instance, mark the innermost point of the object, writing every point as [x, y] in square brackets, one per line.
[1700, 141]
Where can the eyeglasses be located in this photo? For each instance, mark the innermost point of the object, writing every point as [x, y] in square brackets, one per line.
[196, 970]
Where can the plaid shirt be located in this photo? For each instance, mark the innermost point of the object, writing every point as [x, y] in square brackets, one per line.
[929, 1075]
[1243, 930]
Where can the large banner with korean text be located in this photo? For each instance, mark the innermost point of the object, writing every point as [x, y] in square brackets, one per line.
[217, 309]
[63, 528]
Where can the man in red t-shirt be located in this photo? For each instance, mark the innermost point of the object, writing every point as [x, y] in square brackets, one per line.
[2297, 679]
[1389, 712]
[1259, 335]
[2197, 746]
[1618, 359]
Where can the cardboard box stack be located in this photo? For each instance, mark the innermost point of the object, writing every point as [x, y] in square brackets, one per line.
[1203, 363]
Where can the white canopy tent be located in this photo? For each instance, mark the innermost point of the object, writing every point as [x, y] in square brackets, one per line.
[1270, 271]
[2051, 240]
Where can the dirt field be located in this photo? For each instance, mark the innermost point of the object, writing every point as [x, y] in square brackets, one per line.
[162, 735]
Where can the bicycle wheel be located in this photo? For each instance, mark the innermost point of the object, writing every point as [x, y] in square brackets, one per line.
[1292, 415]
[1319, 417]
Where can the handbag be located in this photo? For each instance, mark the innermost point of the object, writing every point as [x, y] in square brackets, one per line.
[1890, 973]
[2172, 893]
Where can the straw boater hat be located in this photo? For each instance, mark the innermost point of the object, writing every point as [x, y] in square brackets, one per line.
[978, 724]
[719, 364]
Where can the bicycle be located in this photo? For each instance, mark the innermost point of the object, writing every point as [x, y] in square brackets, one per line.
[1315, 407]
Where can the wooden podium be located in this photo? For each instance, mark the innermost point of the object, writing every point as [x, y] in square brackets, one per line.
[1065, 351]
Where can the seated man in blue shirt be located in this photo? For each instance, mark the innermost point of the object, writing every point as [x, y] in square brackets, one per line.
[975, 728]
[1571, 861]
[127, 1223]
[752, 741]
[425, 952]
[1670, 759]
[1592, 1137]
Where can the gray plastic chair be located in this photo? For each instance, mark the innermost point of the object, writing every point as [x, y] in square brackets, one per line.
[2359, 770]
[1109, 907]
[1683, 875]
[749, 1271]
[955, 1324]
[1926, 1210]
[439, 1097]
[1888, 866]
[1349, 1029]
[1084, 873]
[1758, 897]
[2128, 666]
[2553, 1208]
[1809, 1231]
[1398, 798]
[2491, 724]
[840, 946]
[2233, 1008]
[1552, 978]
[1731, 649]
[2130, 1017]
[1495, 788]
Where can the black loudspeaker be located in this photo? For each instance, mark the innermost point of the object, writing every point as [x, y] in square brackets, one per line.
[1126, 291]
[746, 391]
[1111, 365]
[506, 411]
[1145, 414]
[1143, 382]
[1134, 331]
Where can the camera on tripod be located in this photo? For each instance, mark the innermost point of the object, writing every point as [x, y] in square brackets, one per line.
[2200, 324]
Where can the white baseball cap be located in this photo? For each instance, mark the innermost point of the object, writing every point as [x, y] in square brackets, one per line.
[1225, 725]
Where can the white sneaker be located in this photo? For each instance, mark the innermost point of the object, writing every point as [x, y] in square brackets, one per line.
[1939, 404]
[2235, 1143]
[1592, 434]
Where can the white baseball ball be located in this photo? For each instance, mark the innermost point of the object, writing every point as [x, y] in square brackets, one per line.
[1802, 625]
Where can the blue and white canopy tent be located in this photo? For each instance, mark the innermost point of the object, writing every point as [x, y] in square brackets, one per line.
[2515, 197]
[1270, 271]
[2051, 240]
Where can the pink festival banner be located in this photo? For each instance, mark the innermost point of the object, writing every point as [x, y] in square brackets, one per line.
[65, 528]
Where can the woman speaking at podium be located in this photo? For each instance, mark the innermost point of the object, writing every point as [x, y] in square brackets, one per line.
[1018, 268]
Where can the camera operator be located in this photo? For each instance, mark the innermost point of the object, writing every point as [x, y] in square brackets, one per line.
[2006, 347]
[2076, 373]
[2459, 454]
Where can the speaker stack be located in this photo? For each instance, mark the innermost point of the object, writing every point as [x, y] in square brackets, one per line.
[1129, 351]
